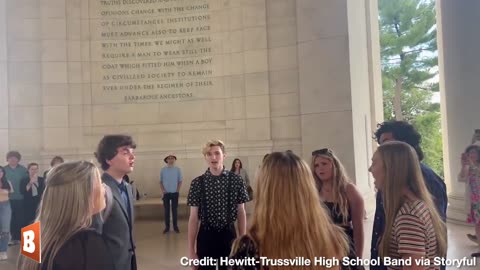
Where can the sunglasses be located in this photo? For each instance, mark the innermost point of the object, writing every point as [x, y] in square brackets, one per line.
[323, 151]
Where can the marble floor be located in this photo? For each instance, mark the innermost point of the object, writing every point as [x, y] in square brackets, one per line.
[158, 251]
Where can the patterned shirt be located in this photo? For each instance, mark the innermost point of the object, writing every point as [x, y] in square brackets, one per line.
[413, 233]
[218, 204]
[437, 188]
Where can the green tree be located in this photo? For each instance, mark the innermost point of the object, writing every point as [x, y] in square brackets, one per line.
[408, 48]
[428, 125]
[415, 102]
[409, 67]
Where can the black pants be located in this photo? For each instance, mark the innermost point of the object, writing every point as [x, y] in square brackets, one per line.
[173, 197]
[18, 218]
[30, 209]
[215, 244]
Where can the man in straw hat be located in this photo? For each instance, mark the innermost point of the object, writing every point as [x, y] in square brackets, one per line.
[170, 182]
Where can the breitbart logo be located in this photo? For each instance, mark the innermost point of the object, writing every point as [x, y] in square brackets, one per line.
[30, 242]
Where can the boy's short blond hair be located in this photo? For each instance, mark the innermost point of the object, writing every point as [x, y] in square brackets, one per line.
[212, 143]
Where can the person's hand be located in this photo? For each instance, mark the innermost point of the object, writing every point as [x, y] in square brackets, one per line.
[11, 186]
[465, 161]
[193, 256]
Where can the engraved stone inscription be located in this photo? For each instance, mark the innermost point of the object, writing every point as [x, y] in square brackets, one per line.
[153, 50]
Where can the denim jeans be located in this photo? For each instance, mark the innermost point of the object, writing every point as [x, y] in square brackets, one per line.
[17, 221]
[5, 215]
[173, 197]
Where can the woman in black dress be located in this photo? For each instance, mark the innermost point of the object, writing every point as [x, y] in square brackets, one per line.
[74, 193]
[340, 196]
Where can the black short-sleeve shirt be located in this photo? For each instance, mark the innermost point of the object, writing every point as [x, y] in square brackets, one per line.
[222, 195]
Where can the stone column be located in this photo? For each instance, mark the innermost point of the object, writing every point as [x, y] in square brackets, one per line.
[24, 72]
[333, 40]
[459, 63]
[283, 75]
[3, 79]
[56, 74]
[375, 69]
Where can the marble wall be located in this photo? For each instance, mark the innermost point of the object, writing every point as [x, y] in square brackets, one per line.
[3, 79]
[459, 69]
[262, 75]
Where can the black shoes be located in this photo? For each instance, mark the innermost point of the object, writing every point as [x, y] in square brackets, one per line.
[472, 238]
[176, 230]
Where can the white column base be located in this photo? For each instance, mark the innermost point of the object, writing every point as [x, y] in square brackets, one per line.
[457, 211]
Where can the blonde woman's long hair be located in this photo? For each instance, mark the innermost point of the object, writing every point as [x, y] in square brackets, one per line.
[340, 181]
[66, 208]
[402, 171]
[288, 211]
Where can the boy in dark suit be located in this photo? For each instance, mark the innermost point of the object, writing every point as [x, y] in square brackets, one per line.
[115, 153]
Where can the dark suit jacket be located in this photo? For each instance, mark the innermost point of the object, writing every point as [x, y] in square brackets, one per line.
[31, 203]
[85, 250]
[28, 194]
[118, 228]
